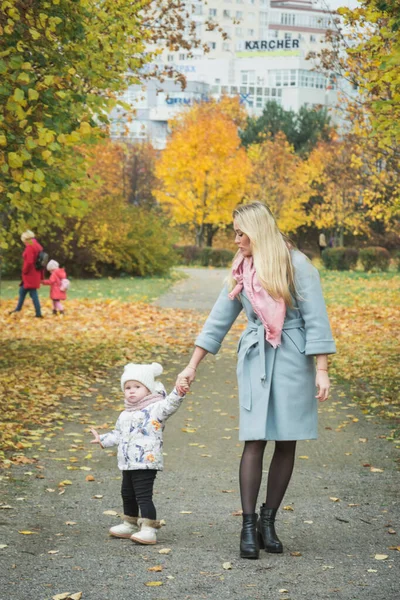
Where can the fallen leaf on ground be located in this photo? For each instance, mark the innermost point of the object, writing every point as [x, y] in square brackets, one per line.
[391, 531]
[288, 507]
[334, 499]
[5, 506]
[156, 568]
[283, 591]
[28, 532]
[304, 457]
[186, 512]
[3, 546]
[372, 571]
[227, 566]
[53, 552]
[227, 491]
[70, 522]
[296, 554]
[376, 470]
[394, 548]
[153, 583]
[97, 496]
[381, 556]
[164, 551]
[89, 478]
[309, 522]
[237, 513]
[110, 512]
[363, 440]
[68, 596]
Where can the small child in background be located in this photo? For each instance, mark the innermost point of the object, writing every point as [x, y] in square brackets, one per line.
[139, 436]
[59, 285]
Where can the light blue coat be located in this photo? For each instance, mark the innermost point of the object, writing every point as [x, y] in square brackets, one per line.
[276, 386]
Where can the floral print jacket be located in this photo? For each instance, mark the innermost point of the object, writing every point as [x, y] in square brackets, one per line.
[139, 434]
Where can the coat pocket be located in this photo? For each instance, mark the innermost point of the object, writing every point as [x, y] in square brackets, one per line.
[298, 337]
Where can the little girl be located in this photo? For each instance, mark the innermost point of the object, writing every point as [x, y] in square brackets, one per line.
[58, 283]
[138, 434]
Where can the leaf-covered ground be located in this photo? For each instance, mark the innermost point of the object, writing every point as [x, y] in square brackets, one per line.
[49, 365]
[364, 312]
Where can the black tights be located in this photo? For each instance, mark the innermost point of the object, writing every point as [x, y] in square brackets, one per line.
[250, 473]
[137, 492]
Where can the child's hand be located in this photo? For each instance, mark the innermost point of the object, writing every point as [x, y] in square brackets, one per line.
[183, 386]
[96, 437]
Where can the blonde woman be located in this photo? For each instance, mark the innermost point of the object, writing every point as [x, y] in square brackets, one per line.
[282, 363]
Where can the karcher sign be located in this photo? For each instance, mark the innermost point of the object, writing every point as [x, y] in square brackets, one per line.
[271, 45]
[268, 48]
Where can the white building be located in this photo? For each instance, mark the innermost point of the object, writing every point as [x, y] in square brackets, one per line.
[262, 57]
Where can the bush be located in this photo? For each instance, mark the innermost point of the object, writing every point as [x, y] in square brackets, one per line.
[189, 255]
[340, 259]
[206, 257]
[375, 257]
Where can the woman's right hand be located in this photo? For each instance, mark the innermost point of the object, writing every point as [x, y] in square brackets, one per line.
[185, 379]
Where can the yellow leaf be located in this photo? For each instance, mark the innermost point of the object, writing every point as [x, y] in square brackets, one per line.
[381, 556]
[334, 499]
[157, 568]
[304, 457]
[376, 470]
[153, 583]
[89, 478]
[164, 551]
[288, 508]
[186, 512]
[227, 566]
[110, 512]
[65, 482]
[28, 532]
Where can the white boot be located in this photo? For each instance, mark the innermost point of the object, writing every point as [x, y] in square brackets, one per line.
[147, 533]
[126, 528]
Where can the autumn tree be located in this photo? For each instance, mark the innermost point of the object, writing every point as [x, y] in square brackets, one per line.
[203, 170]
[278, 180]
[62, 65]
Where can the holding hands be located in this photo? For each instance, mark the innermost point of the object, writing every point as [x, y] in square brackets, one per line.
[185, 379]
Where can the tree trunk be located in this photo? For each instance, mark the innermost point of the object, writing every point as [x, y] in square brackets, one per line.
[210, 232]
[200, 236]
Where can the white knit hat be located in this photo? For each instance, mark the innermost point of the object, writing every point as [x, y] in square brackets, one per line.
[144, 374]
[52, 265]
[27, 235]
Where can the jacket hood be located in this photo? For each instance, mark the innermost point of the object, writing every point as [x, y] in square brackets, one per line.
[60, 273]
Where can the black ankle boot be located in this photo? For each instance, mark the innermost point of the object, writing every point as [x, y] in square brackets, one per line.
[267, 537]
[248, 538]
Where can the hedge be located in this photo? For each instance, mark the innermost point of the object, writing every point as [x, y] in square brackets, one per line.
[374, 258]
[340, 259]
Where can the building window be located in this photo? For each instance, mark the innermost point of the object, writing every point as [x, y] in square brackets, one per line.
[288, 36]
[275, 33]
[313, 38]
[239, 32]
[197, 9]
[226, 46]
[247, 77]
[170, 58]
[250, 32]
[239, 1]
[251, 16]
[212, 12]
[288, 19]
[226, 14]
[181, 57]
[234, 89]
[239, 14]
[212, 45]
[263, 19]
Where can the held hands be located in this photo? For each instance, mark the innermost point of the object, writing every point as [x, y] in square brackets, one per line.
[323, 384]
[96, 437]
[185, 379]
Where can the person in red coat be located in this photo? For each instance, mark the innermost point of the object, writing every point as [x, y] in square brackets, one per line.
[31, 277]
[57, 280]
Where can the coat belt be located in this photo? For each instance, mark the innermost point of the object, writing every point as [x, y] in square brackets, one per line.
[253, 335]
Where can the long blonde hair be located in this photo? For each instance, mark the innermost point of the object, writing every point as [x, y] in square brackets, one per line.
[270, 249]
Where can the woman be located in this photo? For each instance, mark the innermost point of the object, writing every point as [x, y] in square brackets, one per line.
[282, 363]
[31, 277]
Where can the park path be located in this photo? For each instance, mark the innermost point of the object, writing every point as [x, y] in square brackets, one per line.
[337, 522]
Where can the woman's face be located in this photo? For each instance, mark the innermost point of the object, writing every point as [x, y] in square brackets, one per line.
[242, 240]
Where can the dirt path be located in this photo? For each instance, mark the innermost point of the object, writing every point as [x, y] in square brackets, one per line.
[338, 518]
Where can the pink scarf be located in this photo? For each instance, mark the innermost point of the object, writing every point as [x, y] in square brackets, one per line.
[270, 312]
[150, 399]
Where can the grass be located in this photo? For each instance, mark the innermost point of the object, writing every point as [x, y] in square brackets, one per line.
[123, 289]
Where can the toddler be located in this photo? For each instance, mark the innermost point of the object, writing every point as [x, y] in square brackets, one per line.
[139, 436]
[59, 284]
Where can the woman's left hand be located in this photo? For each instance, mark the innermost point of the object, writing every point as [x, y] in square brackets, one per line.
[323, 384]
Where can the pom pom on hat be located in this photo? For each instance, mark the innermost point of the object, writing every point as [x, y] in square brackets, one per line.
[144, 374]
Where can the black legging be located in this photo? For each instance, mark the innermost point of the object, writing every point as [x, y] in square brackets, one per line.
[137, 492]
[250, 474]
